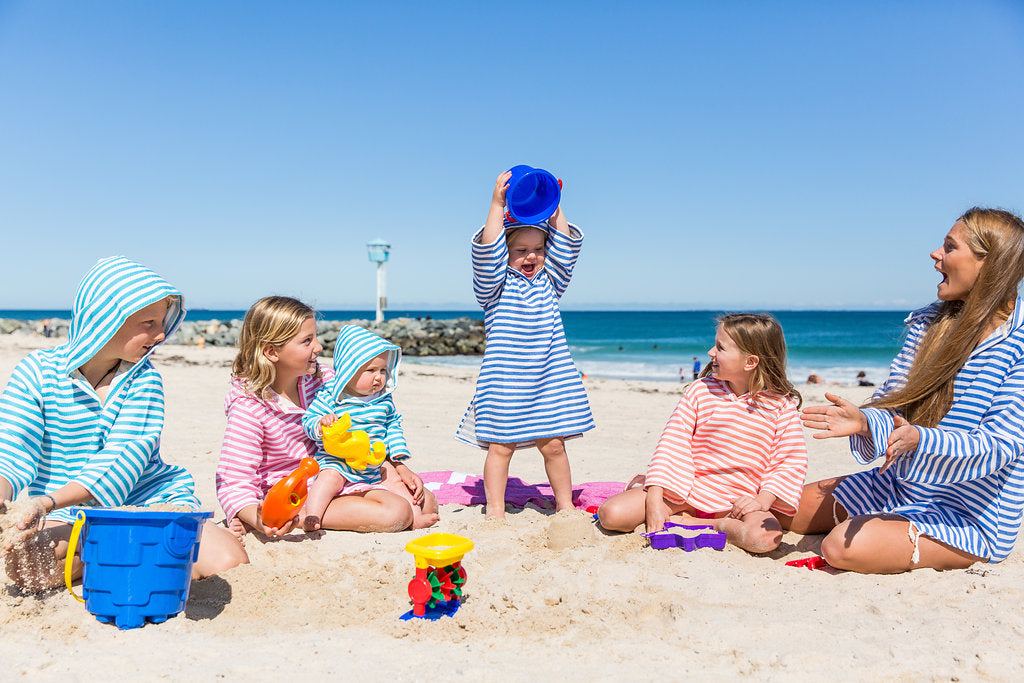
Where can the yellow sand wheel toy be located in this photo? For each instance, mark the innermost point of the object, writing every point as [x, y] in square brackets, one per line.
[440, 576]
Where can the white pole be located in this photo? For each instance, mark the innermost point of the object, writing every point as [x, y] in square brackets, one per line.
[382, 298]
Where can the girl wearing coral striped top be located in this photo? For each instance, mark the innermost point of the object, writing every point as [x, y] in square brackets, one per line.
[733, 452]
[275, 377]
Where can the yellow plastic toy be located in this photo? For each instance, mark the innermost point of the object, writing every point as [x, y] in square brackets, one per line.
[439, 573]
[353, 447]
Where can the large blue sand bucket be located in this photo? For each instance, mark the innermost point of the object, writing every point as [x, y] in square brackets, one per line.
[533, 194]
[137, 564]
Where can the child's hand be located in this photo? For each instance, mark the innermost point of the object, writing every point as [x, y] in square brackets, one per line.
[273, 530]
[412, 482]
[328, 419]
[500, 188]
[744, 505]
[656, 511]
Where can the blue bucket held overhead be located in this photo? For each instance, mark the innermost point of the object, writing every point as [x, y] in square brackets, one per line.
[533, 194]
[137, 564]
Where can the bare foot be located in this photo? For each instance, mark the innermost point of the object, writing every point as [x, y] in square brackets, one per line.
[423, 520]
[310, 523]
[494, 512]
[237, 529]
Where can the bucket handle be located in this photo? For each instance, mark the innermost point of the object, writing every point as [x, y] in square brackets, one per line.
[69, 559]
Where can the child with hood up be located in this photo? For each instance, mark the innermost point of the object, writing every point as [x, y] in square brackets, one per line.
[80, 424]
[365, 375]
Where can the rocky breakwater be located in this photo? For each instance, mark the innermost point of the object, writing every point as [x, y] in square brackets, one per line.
[416, 336]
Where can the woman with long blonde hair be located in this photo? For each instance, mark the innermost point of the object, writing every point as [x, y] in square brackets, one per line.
[947, 422]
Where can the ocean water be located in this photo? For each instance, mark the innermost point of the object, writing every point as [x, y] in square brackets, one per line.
[655, 345]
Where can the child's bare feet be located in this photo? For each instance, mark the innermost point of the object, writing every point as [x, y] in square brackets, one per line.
[237, 529]
[493, 512]
[310, 523]
[422, 520]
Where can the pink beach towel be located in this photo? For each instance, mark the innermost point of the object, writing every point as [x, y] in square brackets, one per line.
[468, 489]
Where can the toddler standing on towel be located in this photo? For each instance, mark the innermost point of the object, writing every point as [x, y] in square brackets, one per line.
[275, 377]
[733, 450]
[365, 375]
[529, 391]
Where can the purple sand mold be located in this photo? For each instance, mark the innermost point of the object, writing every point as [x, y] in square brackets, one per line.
[661, 540]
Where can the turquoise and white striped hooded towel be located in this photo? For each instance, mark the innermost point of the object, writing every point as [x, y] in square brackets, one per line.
[55, 430]
[376, 415]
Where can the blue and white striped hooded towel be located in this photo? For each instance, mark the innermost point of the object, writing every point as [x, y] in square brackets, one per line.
[54, 429]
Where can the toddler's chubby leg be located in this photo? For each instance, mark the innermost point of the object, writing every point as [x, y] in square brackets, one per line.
[556, 464]
[424, 513]
[499, 455]
[325, 487]
[219, 550]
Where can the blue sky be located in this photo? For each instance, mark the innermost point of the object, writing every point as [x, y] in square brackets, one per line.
[719, 155]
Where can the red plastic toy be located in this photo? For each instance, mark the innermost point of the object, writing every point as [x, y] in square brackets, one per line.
[815, 562]
[286, 496]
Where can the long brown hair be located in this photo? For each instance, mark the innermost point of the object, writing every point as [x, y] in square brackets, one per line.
[759, 334]
[271, 320]
[996, 237]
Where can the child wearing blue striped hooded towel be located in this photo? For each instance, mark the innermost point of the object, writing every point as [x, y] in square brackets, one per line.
[80, 423]
[528, 392]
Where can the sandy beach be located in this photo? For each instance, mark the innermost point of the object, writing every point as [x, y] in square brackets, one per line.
[547, 594]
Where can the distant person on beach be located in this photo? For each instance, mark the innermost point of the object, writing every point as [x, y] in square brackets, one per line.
[80, 425]
[947, 422]
[275, 377]
[815, 379]
[365, 375]
[696, 367]
[863, 381]
[733, 452]
[528, 391]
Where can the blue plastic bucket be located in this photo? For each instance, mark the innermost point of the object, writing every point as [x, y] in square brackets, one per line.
[533, 194]
[137, 564]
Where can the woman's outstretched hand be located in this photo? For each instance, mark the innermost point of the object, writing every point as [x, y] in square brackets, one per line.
[841, 418]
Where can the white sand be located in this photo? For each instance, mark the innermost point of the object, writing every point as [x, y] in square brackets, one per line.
[546, 595]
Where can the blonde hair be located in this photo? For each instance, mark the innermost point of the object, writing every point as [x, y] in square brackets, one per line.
[760, 335]
[996, 237]
[271, 320]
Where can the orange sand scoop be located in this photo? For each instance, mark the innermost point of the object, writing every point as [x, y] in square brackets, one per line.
[352, 446]
[286, 496]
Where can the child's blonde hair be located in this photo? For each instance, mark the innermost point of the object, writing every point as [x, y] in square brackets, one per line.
[271, 320]
[761, 335]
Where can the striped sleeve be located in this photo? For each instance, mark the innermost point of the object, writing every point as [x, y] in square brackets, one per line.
[787, 465]
[394, 437]
[560, 260]
[880, 422]
[111, 474]
[320, 406]
[21, 426]
[238, 477]
[490, 264]
[671, 466]
[946, 456]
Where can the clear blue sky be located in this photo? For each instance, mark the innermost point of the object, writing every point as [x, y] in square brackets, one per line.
[720, 155]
